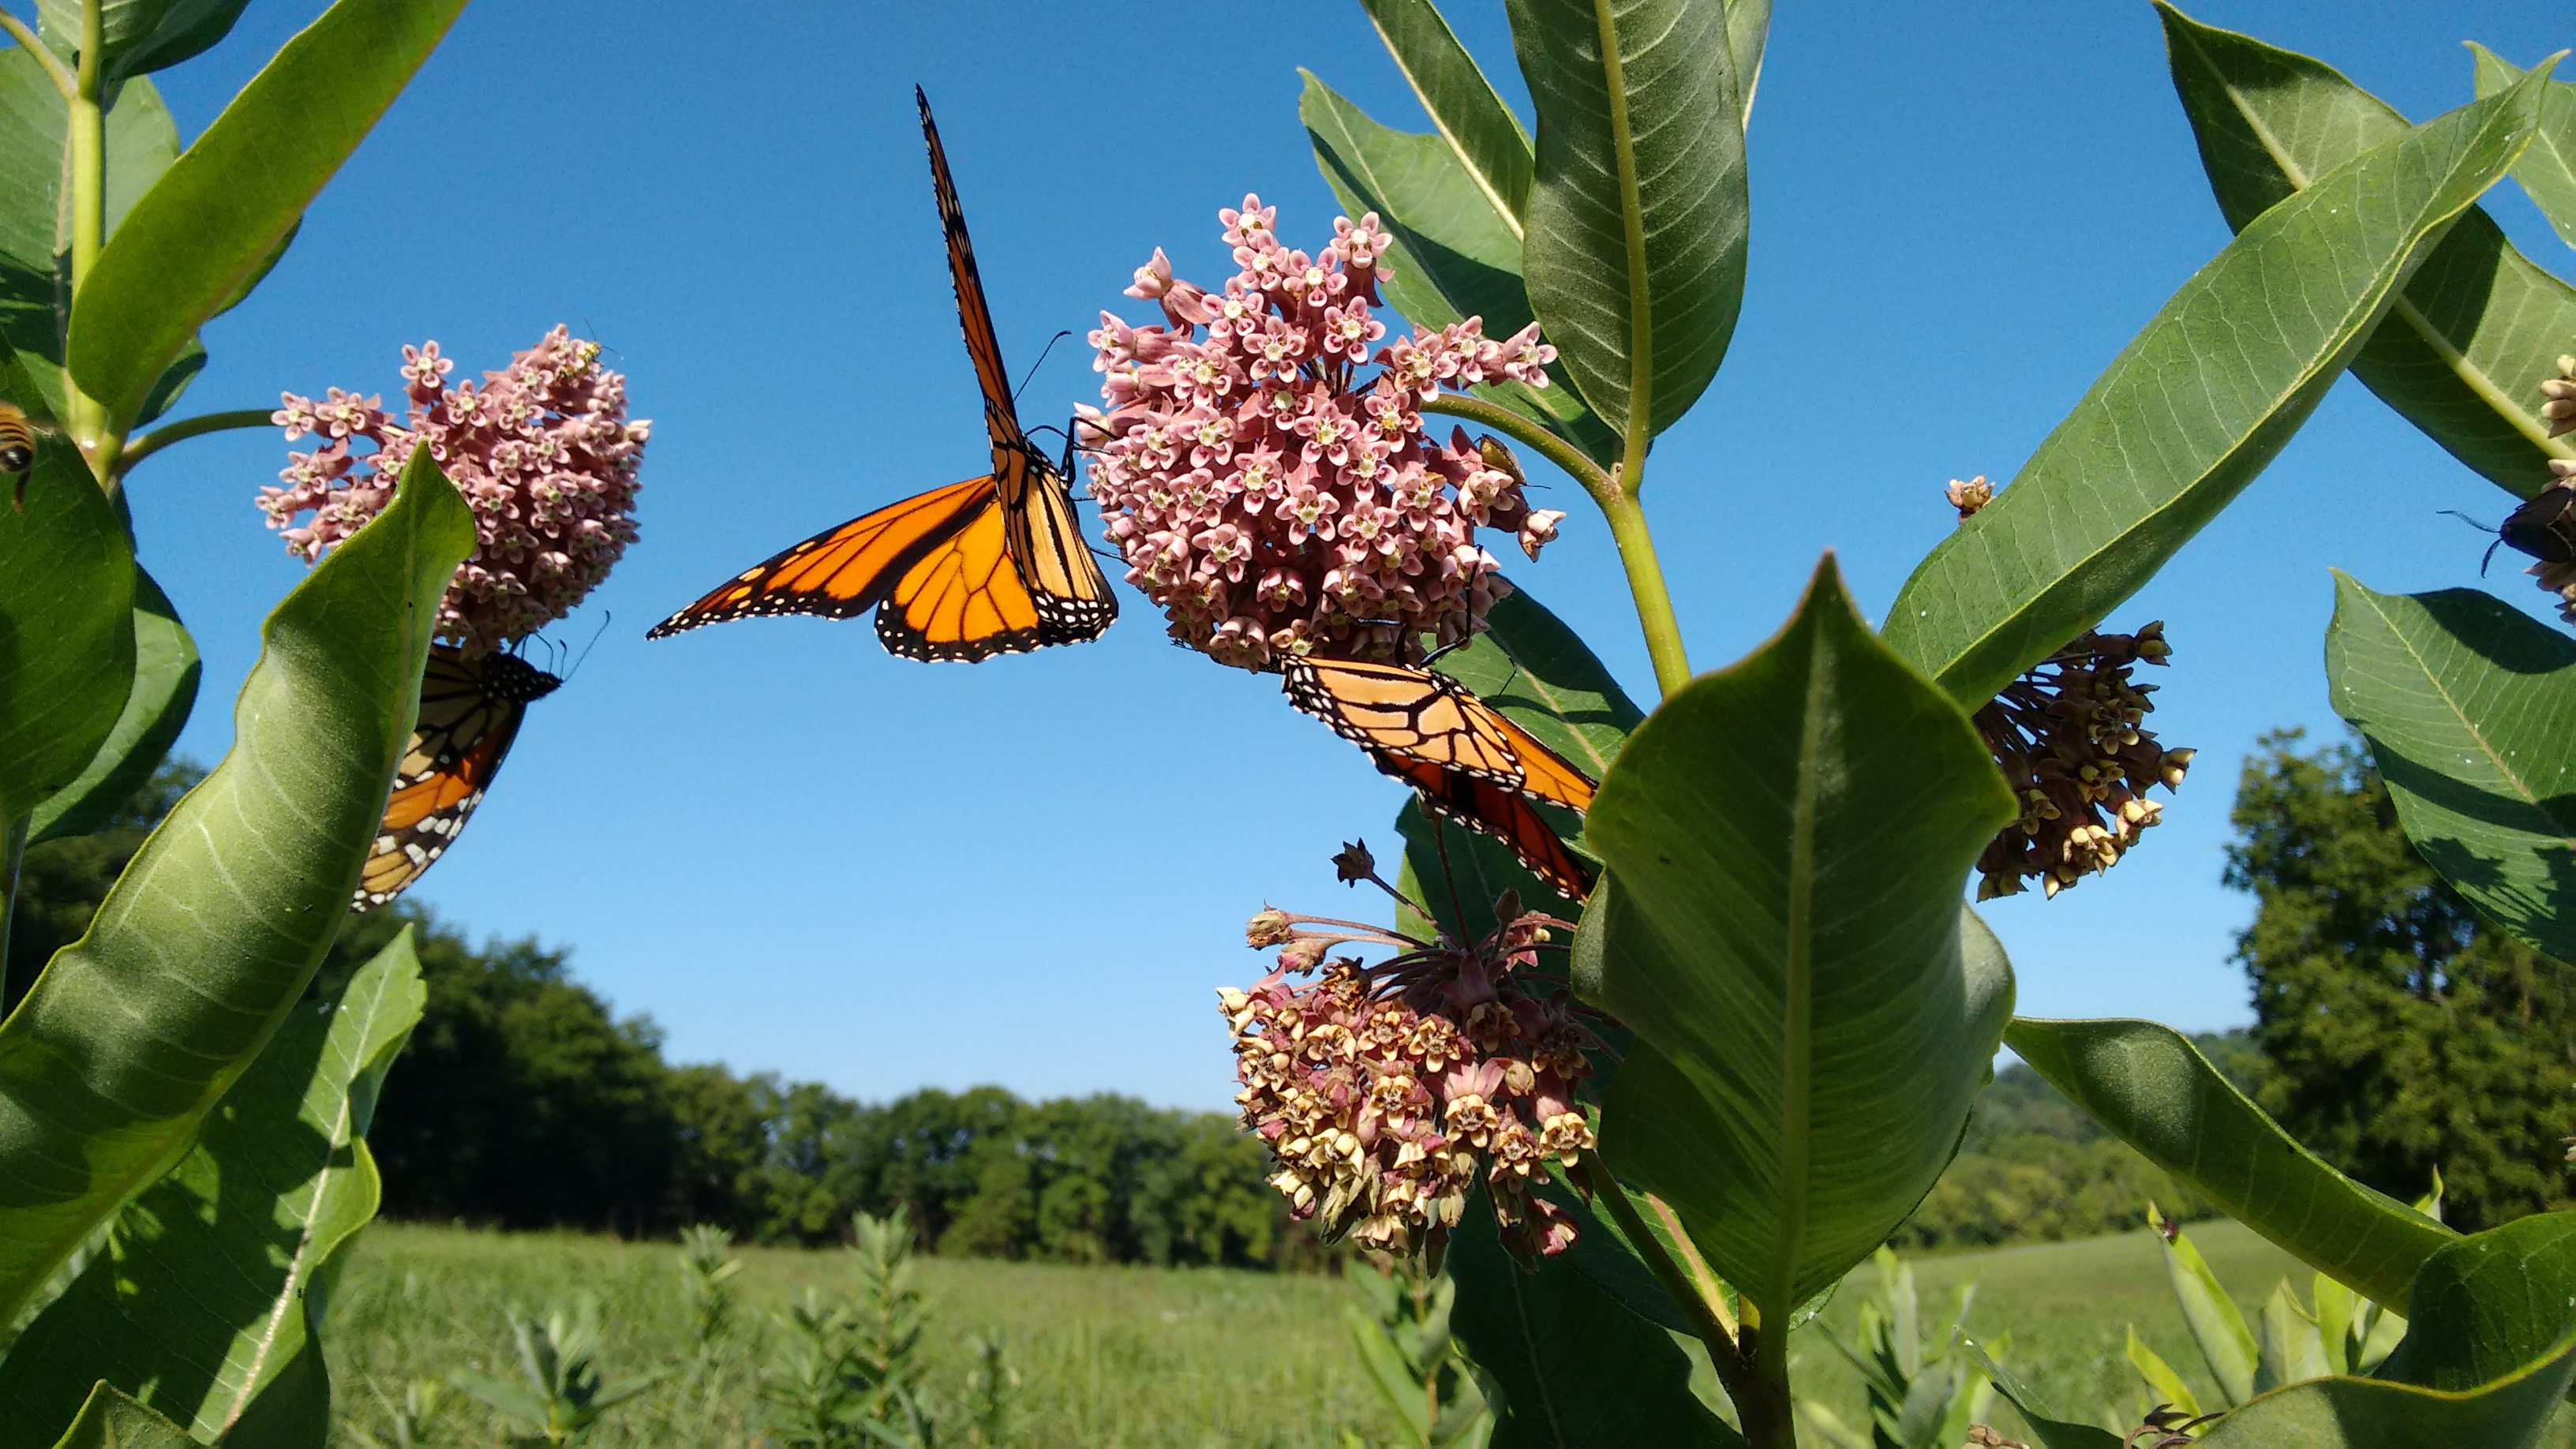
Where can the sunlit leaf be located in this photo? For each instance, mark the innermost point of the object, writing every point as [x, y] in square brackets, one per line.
[218, 215]
[211, 1288]
[2195, 406]
[1637, 218]
[1452, 254]
[2465, 347]
[2548, 170]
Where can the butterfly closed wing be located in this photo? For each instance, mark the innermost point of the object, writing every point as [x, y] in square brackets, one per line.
[1465, 759]
[470, 712]
[992, 565]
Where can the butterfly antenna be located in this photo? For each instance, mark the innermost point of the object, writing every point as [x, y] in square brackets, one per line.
[2489, 556]
[2464, 518]
[604, 617]
[1034, 366]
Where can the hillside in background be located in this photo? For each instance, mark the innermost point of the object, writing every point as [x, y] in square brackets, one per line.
[524, 1101]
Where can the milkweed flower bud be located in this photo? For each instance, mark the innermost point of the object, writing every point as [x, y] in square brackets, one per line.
[1268, 927]
[2559, 394]
[1272, 493]
[2071, 740]
[1970, 496]
[542, 452]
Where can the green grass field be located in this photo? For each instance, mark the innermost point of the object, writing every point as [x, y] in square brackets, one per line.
[1155, 1357]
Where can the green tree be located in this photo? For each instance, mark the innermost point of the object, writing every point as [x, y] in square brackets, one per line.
[2404, 1032]
[521, 1099]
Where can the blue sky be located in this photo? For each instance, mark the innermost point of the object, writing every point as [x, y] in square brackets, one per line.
[799, 853]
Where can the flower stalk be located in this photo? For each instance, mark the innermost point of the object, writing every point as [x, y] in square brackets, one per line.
[55, 71]
[1615, 492]
[184, 429]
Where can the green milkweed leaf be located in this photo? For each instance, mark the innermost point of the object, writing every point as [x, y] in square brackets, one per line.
[211, 1287]
[2470, 709]
[1637, 220]
[133, 1033]
[2197, 405]
[2156, 1092]
[1780, 926]
[2466, 345]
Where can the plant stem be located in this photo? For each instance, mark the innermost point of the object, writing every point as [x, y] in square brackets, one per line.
[85, 141]
[13, 854]
[27, 41]
[1646, 582]
[1708, 1318]
[1768, 1410]
[186, 428]
[1617, 498]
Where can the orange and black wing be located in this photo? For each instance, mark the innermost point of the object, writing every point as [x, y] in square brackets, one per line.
[1001, 419]
[470, 713]
[846, 571]
[963, 600]
[1499, 812]
[1044, 542]
[1430, 719]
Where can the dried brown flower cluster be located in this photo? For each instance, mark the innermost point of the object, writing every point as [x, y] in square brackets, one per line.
[1385, 1091]
[2069, 737]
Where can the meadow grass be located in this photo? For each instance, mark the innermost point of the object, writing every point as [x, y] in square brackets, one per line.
[1162, 1357]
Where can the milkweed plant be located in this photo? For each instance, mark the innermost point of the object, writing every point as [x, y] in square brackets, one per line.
[1636, 1131]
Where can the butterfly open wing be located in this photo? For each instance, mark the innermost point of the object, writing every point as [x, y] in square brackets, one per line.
[470, 712]
[963, 600]
[842, 572]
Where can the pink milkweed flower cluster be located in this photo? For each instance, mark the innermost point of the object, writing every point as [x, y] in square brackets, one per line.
[542, 451]
[1383, 1093]
[1270, 491]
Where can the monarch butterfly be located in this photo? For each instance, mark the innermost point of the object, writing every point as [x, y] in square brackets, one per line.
[993, 565]
[470, 711]
[1461, 755]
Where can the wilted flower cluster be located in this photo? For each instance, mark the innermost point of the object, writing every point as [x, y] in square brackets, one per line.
[1384, 1091]
[542, 450]
[1272, 493]
[2069, 737]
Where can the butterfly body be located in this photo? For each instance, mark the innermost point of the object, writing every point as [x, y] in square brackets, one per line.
[470, 713]
[2544, 527]
[991, 565]
[1464, 758]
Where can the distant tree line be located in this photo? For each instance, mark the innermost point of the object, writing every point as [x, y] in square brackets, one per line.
[523, 1101]
[2396, 1032]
